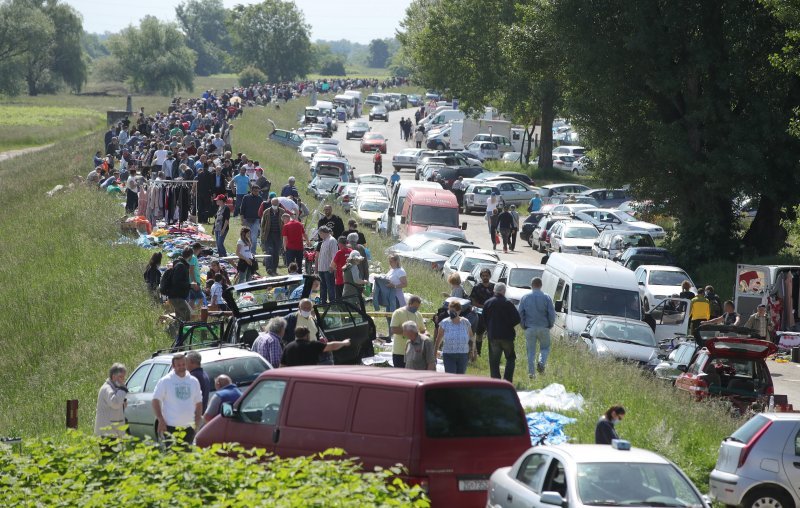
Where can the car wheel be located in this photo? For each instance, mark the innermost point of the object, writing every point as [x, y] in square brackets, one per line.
[767, 498]
[440, 146]
[646, 305]
[575, 172]
[466, 210]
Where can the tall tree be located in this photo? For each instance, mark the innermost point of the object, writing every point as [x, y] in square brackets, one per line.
[679, 99]
[378, 54]
[155, 56]
[274, 37]
[203, 22]
[24, 28]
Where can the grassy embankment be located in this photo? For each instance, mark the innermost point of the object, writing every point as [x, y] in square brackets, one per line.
[79, 305]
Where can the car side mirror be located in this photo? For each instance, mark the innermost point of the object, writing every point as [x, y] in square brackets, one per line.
[403, 219]
[470, 278]
[558, 305]
[390, 212]
[597, 244]
[683, 368]
[617, 257]
[641, 283]
[586, 335]
[553, 498]
[227, 410]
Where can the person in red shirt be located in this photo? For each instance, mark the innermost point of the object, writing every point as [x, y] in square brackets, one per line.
[294, 238]
[339, 260]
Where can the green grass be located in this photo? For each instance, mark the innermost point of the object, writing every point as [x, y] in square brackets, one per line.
[357, 71]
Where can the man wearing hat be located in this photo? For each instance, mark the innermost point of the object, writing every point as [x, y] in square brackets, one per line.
[353, 283]
[760, 323]
[221, 223]
[249, 211]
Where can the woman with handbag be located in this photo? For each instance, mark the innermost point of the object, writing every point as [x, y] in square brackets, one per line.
[247, 262]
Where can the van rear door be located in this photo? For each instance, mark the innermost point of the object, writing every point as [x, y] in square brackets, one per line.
[467, 430]
[347, 320]
[671, 317]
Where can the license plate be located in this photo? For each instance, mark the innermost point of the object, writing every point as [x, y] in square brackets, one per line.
[471, 485]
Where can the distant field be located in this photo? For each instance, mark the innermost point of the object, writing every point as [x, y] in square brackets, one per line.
[22, 125]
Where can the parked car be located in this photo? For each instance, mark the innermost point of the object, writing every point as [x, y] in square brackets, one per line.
[757, 464]
[242, 365]
[416, 419]
[446, 175]
[574, 476]
[611, 218]
[413, 242]
[474, 276]
[321, 186]
[567, 199]
[356, 129]
[463, 260]
[516, 276]
[633, 257]
[571, 150]
[528, 225]
[346, 197]
[483, 150]
[367, 211]
[512, 192]
[284, 137]
[434, 253]
[582, 165]
[444, 160]
[538, 239]
[562, 188]
[608, 198]
[378, 112]
[372, 179]
[612, 243]
[564, 163]
[676, 362]
[569, 209]
[506, 175]
[573, 237]
[372, 141]
[622, 339]
[730, 367]
[406, 158]
[657, 282]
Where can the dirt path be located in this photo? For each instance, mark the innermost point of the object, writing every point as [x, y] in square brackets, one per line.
[10, 154]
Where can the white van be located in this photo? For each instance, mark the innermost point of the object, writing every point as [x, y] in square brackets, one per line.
[397, 200]
[347, 102]
[358, 102]
[444, 117]
[432, 113]
[583, 287]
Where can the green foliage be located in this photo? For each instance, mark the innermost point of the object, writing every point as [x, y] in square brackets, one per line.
[203, 23]
[328, 63]
[156, 56]
[108, 68]
[78, 473]
[94, 45]
[250, 76]
[272, 36]
[378, 53]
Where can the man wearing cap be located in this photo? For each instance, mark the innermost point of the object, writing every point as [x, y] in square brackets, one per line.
[294, 238]
[250, 205]
[222, 222]
[272, 236]
[760, 323]
[353, 282]
[289, 189]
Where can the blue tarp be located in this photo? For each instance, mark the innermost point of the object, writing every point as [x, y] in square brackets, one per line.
[548, 426]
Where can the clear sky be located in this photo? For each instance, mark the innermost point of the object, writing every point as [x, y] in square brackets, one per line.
[356, 20]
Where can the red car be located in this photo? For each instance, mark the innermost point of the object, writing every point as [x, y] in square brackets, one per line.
[450, 432]
[372, 141]
[731, 367]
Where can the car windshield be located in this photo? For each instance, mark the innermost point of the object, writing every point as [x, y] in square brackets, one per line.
[359, 125]
[602, 301]
[582, 232]
[326, 183]
[467, 412]
[412, 242]
[521, 277]
[639, 333]
[663, 278]
[634, 484]
[625, 216]
[373, 206]
[255, 296]
[374, 136]
[242, 371]
[637, 240]
[470, 263]
[434, 216]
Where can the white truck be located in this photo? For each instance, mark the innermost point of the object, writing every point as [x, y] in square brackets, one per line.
[463, 132]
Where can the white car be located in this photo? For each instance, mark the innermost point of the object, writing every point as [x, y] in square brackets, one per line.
[406, 158]
[517, 278]
[483, 150]
[568, 208]
[574, 476]
[368, 209]
[463, 261]
[572, 150]
[371, 188]
[611, 218]
[623, 339]
[512, 192]
[573, 237]
[657, 282]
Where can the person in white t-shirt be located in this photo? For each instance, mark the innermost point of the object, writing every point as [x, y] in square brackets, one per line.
[178, 401]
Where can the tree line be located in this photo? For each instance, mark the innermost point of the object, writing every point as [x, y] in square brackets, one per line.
[692, 103]
[43, 47]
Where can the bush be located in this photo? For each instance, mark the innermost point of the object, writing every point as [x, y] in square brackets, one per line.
[250, 76]
[332, 66]
[77, 473]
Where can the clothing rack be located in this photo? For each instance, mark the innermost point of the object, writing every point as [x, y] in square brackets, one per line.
[176, 183]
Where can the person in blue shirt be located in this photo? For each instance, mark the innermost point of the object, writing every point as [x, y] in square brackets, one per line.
[537, 316]
[241, 183]
[395, 177]
[535, 204]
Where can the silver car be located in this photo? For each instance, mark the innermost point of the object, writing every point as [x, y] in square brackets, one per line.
[758, 465]
[572, 476]
[241, 365]
[623, 339]
[512, 192]
[406, 158]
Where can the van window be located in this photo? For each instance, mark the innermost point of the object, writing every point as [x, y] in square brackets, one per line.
[242, 371]
[381, 412]
[156, 373]
[319, 406]
[263, 403]
[598, 300]
[559, 290]
[434, 215]
[473, 412]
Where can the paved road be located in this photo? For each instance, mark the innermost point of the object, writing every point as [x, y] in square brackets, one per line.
[786, 377]
[477, 230]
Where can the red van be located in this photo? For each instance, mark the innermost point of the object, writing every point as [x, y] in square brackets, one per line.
[429, 208]
[450, 431]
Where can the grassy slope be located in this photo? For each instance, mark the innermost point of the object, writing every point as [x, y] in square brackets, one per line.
[78, 305]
